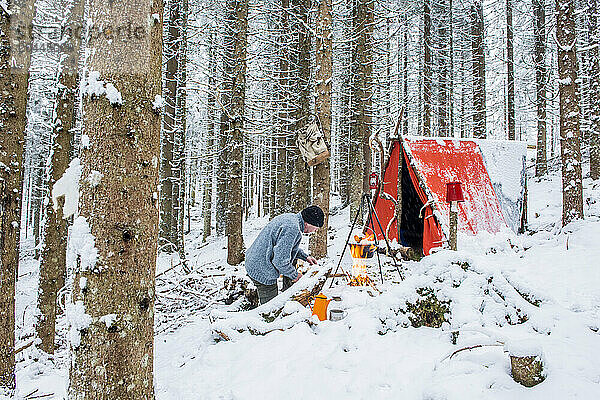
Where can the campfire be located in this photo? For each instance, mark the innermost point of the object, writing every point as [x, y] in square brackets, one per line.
[361, 250]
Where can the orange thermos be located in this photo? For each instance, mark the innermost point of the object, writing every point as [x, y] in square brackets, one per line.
[320, 306]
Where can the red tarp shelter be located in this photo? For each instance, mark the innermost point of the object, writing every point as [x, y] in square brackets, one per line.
[427, 166]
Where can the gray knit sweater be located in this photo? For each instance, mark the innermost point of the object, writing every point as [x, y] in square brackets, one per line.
[275, 248]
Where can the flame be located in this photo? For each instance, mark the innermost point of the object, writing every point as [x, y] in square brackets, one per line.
[362, 249]
[359, 273]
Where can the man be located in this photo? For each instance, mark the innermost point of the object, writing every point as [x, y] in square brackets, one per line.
[277, 248]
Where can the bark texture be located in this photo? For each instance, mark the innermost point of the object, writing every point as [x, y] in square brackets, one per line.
[179, 145]
[444, 40]
[15, 56]
[53, 260]
[114, 358]
[210, 141]
[510, 66]
[172, 161]
[427, 68]
[569, 112]
[595, 91]
[301, 172]
[321, 177]
[236, 42]
[541, 79]
[285, 106]
[362, 90]
[478, 65]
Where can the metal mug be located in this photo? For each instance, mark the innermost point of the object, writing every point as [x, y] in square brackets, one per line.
[336, 314]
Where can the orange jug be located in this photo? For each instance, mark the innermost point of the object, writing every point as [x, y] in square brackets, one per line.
[320, 306]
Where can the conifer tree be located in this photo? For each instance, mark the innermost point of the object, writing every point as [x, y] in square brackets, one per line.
[15, 57]
[112, 313]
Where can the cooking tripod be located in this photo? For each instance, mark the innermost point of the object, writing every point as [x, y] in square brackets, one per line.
[366, 198]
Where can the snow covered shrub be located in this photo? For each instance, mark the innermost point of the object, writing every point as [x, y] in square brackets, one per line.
[428, 310]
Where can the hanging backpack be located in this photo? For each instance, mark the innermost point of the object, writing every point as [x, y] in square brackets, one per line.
[312, 145]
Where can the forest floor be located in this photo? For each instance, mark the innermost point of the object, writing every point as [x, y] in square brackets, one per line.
[537, 293]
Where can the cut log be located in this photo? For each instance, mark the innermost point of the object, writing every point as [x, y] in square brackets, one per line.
[528, 371]
[526, 362]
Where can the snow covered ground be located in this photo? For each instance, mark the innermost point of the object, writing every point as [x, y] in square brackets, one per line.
[538, 292]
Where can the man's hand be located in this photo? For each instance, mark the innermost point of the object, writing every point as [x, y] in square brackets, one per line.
[311, 260]
[298, 278]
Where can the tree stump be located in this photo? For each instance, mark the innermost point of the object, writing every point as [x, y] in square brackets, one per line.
[528, 371]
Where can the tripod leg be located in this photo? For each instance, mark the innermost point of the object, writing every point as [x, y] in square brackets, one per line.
[346, 245]
[372, 210]
[378, 259]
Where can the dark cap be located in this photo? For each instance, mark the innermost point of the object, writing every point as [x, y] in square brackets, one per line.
[313, 215]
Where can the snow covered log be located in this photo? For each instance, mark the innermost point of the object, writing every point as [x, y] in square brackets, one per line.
[283, 312]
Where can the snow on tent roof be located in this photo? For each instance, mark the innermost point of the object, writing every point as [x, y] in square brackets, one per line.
[505, 163]
[440, 161]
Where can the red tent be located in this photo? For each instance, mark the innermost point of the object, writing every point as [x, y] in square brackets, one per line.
[427, 166]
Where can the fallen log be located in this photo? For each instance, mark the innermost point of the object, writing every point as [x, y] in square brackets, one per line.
[278, 314]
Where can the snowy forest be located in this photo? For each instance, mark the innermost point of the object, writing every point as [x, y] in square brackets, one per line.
[452, 149]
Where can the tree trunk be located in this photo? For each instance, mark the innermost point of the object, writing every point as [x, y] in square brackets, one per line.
[179, 156]
[210, 140]
[236, 43]
[53, 260]
[301, 173]
[463, 124]
[569, 112]
[444, 126]
[321, 177]
[344, 136]
[426, 68]
[282, 188]
[540, 78]
[168, 193]
[362, 65]
[112, 355]
[510, 65]
[223, 155]
[595, 91]
[342, 64]
[477, 32]
[14, 74]
[451, 67]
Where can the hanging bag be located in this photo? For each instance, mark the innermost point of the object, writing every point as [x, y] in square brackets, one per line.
[312, 145]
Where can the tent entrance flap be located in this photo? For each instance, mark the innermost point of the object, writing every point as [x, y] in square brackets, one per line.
[411, 227]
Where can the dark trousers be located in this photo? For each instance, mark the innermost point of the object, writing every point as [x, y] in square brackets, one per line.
[268, 292]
